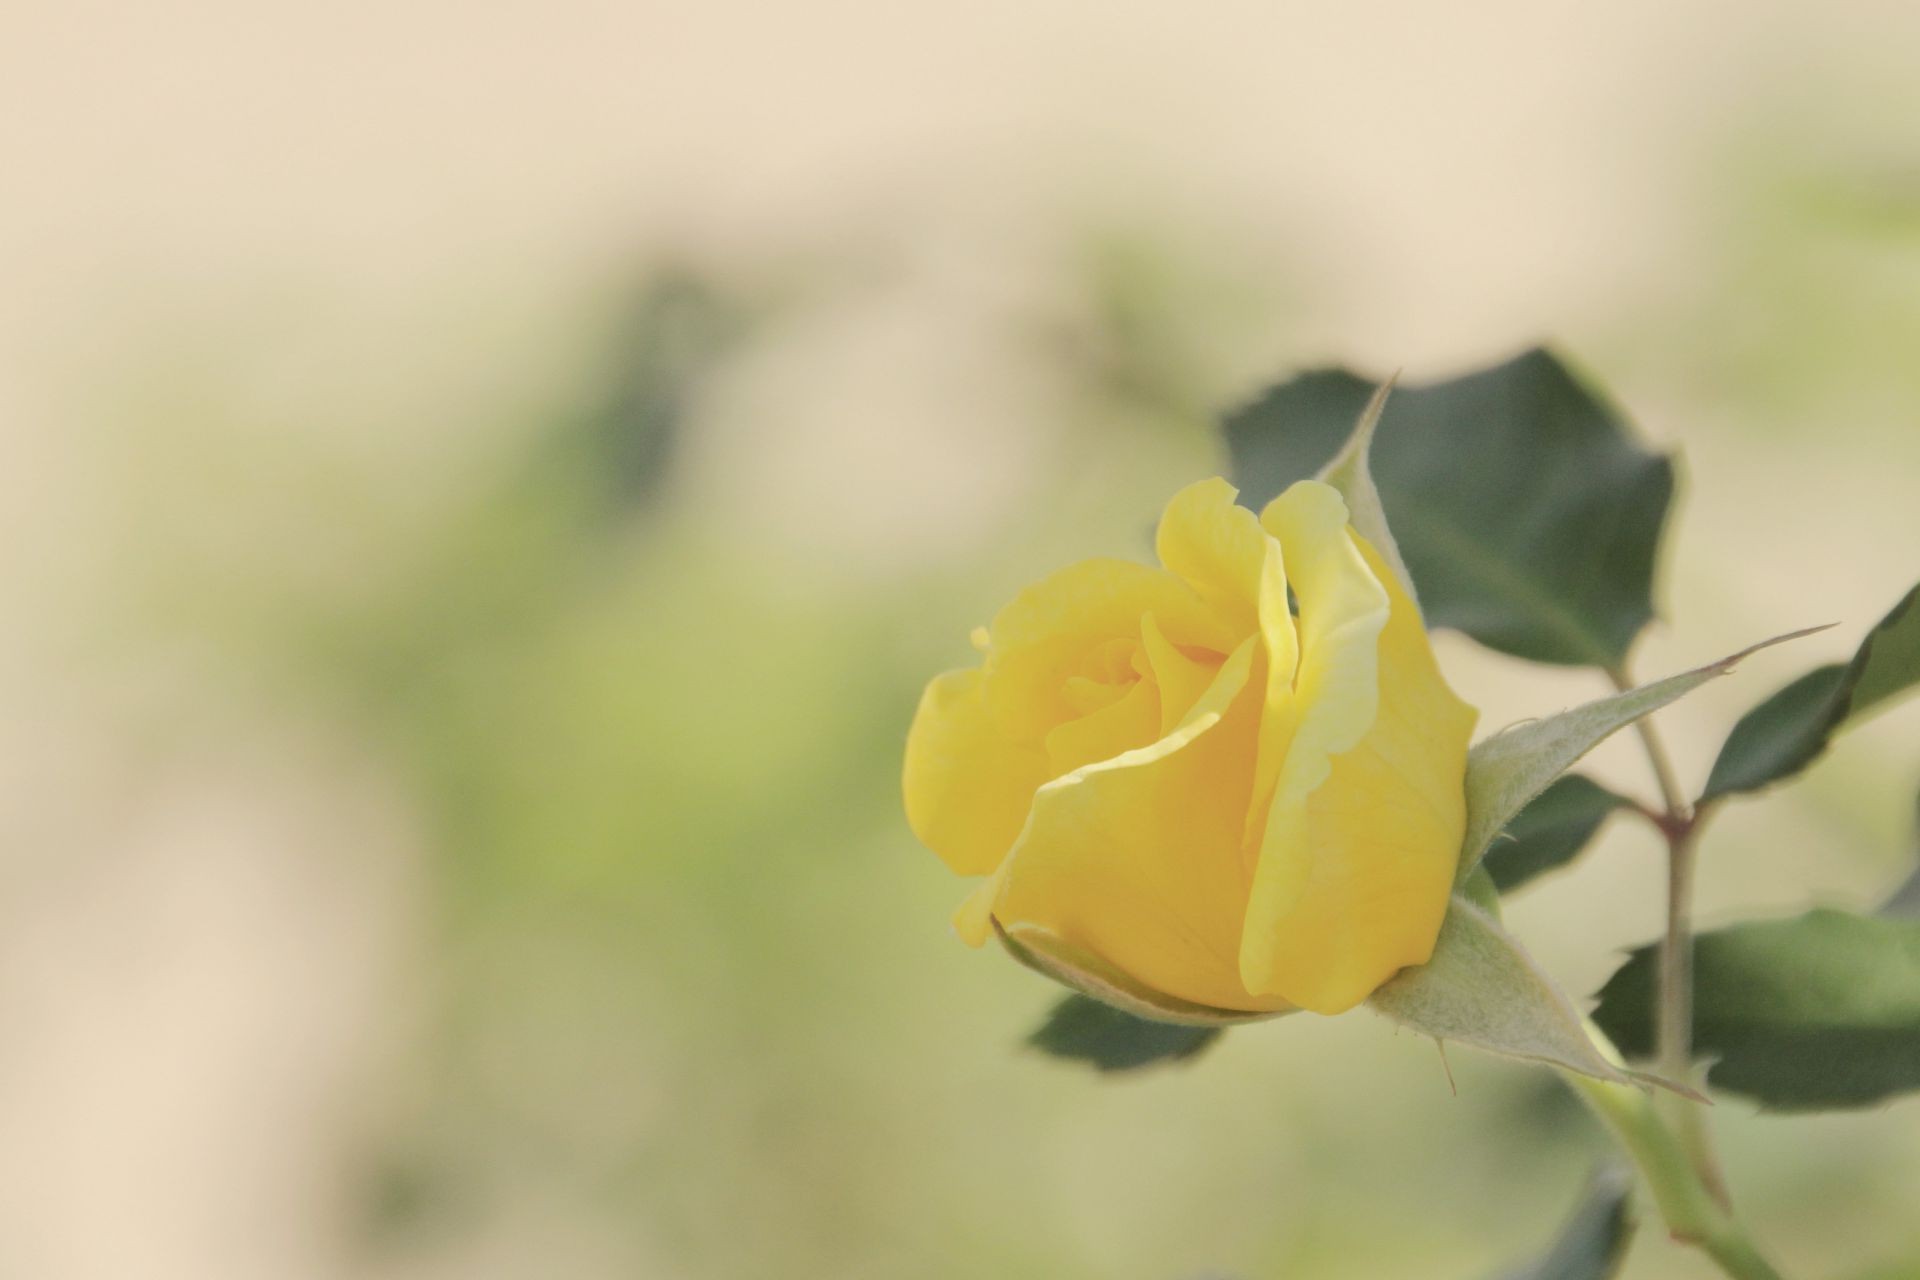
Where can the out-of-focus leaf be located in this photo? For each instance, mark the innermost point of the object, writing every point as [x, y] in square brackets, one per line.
[1082, 1029]
[1901, 1269]
[1820, 1011]
[1528, 516]
[1904, 902]
[1792, 728]
[1550, 832]
[1505, 772]
[1592, 1243]
[1481, 988]
[673, 333]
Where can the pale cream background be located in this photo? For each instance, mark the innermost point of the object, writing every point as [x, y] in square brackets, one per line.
[253, 256]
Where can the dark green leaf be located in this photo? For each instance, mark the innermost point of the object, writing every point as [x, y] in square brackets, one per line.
[1790, 730]
[1550, 831]
[1593, 1242]
[1527, 515]
[1084, 1030]
[1781, 736]
[1479, 889]
[1888, 663]
[1815, 1012]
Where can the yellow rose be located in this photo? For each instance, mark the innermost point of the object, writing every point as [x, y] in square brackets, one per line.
[1174, 781]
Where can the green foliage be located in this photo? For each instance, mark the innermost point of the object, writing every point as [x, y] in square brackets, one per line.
[1479, 889]
[1904, 901]
[1592, 1244]
[1529, 517]
[1550, 832]
[1888, 662]
[1819, 1011]
[1905, 1269]
[1082, 1029]
[1791, 729]
[1481, 988]
[1780, 737]
[1505, 772]
[671, 336]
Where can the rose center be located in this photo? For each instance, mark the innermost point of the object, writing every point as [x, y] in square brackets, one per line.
[1103, 676]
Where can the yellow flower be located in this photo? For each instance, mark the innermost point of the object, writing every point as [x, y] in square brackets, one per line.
[1174, 781]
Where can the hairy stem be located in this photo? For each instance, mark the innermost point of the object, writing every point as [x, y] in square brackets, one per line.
[1694, 1214]
[1674, 1044]
[1680, 824]
[1674, 1025]
[1674, 1032]
[1670, 793]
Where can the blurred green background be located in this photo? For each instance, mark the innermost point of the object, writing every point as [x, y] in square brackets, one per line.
[481, 486]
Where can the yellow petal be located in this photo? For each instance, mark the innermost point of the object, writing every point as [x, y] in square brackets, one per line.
[1221, 548]
[967, 786]
[1356, 866]
[1303, 890]
[973, 921]
[1181, 677]
[1281, 641]
[1046, 632]
[1216, 545]
[1388, 821]
[1136, 860]
[1132, 720]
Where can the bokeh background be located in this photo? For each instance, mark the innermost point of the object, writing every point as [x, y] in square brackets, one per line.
[481, 485]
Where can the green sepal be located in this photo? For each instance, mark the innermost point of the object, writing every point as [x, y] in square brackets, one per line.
[1506, 771]
[1046, 953]
[1481, 988]
[1350, 473]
